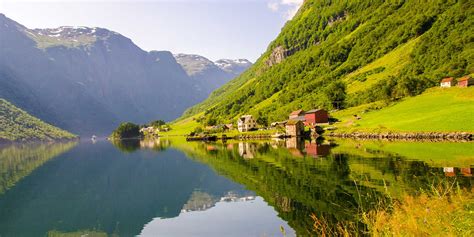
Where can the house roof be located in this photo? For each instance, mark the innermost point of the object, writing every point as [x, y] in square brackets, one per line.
[447, 79]
[296, 112]
[464, 78]
[314, 111]
[293, 122]
[245, 118]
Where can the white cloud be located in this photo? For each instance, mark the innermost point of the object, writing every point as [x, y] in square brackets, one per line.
[290, 7]
[274, 6]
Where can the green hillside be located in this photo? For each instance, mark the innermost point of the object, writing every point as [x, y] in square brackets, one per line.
[17, 125]
[342, 54]
[436, 110]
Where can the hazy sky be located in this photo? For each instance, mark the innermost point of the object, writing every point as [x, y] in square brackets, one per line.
[212, 28]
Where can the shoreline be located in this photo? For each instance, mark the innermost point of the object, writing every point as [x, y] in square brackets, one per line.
[412, 136]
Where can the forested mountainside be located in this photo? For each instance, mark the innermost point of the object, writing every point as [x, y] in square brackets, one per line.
[208, 75]
[88, 79]
[17, 125]
[339, 54]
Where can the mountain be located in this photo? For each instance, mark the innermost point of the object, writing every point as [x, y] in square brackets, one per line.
[208, 75]
[340, 54]
[17, 125]
[87, 80]
[233, 66]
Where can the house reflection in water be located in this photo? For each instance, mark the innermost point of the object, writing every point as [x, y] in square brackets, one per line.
[315, 150]
[466, 172]
[247, 150]
[155, 144]
[296, 146]
[299, 147]
[451, 171]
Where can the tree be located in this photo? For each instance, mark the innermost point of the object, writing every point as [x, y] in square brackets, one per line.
[157, 123]
[336, 94]
[126, 130]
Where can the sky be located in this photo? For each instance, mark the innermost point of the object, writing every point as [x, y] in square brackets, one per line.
[213, 28]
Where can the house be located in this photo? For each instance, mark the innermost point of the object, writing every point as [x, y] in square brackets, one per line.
[316, 116]
[465, 81]
[278, 124]
[447, 82]
[297, 115]
[294, 128]
[229, 126]
[246, 123]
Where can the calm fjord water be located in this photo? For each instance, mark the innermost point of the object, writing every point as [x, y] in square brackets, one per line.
[174, 188]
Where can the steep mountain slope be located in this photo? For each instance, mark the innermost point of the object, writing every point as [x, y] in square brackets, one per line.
[336, 54]
[208, 75]
[17, 125]
[87, 80]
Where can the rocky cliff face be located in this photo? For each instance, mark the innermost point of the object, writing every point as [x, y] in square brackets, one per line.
[87, 80]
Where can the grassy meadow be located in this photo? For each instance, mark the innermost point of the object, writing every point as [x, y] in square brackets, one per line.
[436, 110]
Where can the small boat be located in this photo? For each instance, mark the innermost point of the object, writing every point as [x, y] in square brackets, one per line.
[94, 137]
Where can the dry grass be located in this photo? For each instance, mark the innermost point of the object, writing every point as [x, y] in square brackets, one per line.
[445, 210]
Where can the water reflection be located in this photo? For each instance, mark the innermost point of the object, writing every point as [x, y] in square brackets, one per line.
[177, 188]
[99, 189]
[19, 160]
[346, 176]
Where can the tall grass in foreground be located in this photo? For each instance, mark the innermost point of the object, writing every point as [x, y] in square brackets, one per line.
[443, 210]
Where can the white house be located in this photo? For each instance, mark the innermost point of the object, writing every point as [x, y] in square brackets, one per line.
[246, 123]
[447, 82]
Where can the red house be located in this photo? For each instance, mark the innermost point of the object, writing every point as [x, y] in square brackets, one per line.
[316, 116]
[465, 81]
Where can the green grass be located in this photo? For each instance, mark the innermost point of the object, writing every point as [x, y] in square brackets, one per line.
[393, 62]
[436, 110]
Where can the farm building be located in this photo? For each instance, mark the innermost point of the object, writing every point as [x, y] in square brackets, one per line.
[297, 115]
[465, 81]
[246, 123]
[294, 128]
[316, 116]
[447, 82]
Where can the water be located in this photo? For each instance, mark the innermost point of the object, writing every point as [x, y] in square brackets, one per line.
[174, 188]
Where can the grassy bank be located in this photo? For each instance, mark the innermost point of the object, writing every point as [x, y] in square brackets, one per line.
[186, 126]
[17, 125]
[436, 110]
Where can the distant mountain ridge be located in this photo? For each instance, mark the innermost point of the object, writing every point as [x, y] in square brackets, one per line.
[89, 79]
[209, 75]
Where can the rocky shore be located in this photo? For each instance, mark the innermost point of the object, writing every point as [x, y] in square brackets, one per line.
[455, 136]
